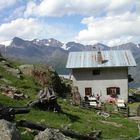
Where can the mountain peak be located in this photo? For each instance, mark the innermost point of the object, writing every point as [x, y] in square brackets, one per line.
[52, 39]
[128, 46]
[17, 41]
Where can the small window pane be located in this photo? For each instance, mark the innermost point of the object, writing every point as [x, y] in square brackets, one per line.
[96, 71]
[88, 91]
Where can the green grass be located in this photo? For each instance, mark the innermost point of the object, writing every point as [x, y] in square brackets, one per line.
[80, 120]
[89, 120]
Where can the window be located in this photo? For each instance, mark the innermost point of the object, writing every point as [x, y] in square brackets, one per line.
[96, 71]
[113, 91]
[88, 91]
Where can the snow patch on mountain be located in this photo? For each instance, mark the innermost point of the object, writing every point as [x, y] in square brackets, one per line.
[47, 44]
[138, 45]
[65, 47]
[49, 40]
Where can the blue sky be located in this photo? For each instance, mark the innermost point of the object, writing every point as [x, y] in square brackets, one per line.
[111, 22]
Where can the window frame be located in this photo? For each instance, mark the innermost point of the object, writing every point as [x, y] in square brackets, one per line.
[96, 71]
[88, 91]
[113, 90]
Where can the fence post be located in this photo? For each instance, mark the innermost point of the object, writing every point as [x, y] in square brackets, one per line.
[138, 110]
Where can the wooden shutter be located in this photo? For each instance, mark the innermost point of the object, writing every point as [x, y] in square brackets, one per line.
[117, 90]
[108, 91]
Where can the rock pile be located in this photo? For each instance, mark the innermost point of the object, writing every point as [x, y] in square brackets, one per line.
[12, 92]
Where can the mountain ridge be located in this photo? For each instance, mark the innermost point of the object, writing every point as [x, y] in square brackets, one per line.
[69, 46]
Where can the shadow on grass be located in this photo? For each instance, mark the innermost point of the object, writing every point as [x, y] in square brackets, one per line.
[73, 118]
[51, 107]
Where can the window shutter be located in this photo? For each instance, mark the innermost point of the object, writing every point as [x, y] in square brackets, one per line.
[117, 90]
[108, 91]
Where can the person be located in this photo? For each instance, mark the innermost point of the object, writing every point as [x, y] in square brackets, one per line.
[86, 98]
[98, 100]
[98, 97]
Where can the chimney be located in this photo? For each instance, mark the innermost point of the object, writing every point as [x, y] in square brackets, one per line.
[99, 57]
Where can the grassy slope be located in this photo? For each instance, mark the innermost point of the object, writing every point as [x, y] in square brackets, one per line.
[78, 119]
[75, 118]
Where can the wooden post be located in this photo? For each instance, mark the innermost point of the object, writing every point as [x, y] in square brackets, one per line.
[127, 111]
[138, 110]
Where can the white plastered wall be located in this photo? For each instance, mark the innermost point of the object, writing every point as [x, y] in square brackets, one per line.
[109, 77]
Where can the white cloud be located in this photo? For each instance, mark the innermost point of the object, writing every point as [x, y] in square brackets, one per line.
[6, 3]
[121, 40]
[109, 21]
[30, 9]
[25, 28]
[111, 29]
[64, 7]
[32, 28]
[138, 7]
[81, 7]
[120, 6]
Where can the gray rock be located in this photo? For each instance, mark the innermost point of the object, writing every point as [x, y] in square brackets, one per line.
[51, 134]
[8, 131]
[14, 72]
[12, 92]
[26, 69]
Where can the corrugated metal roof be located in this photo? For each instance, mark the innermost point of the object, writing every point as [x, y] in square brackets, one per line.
[111, 58]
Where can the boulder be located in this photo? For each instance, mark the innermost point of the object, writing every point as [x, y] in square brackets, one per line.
[9, 68]
[51, 134]
[8, 131]
[26, 69]
[14, 72]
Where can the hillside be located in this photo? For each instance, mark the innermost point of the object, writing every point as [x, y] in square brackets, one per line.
[55, 53]
[72, 117]
[21, 77]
